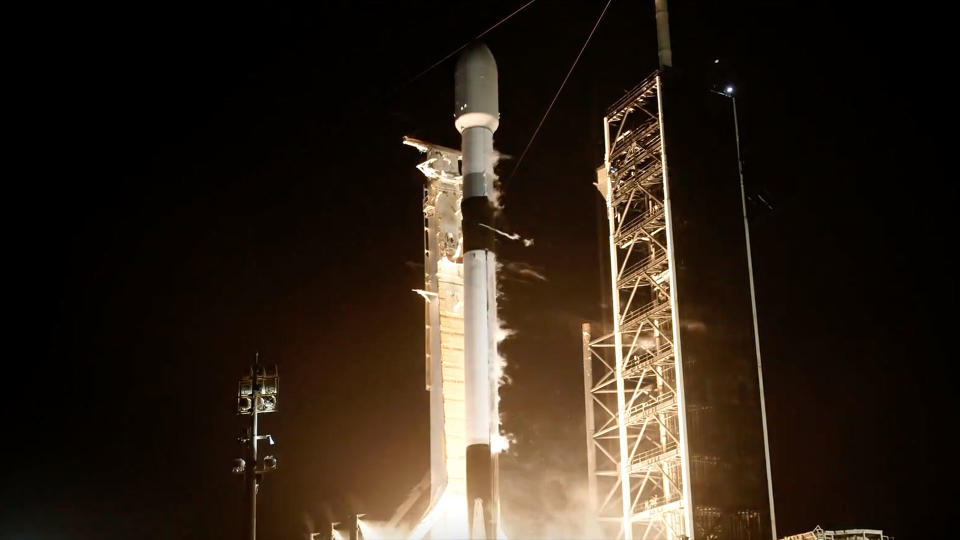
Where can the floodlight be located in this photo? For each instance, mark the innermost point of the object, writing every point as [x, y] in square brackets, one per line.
[266, 404]
[244, 404]
[246, 387]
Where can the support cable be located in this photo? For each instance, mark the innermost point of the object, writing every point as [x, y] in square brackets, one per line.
[464, 46]
[557, 95]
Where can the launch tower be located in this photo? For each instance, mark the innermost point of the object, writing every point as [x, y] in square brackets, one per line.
[643, 426]
[675, 421]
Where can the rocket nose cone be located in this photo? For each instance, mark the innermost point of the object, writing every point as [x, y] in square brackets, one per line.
[476, 58]
[476, 102]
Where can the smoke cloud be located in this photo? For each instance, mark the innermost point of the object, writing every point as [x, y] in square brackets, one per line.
[546, 497]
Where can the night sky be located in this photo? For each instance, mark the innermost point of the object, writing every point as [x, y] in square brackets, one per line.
[202, 182]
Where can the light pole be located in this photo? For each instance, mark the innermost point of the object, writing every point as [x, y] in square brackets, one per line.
[728, 91]
[256, 394]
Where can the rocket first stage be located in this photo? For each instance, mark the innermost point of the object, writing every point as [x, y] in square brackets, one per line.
[477, 116]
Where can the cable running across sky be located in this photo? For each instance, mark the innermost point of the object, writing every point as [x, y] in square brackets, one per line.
[462, 47]
[557, 95]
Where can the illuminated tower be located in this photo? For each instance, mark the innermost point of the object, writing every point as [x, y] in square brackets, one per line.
[676, 428]
[637, 385]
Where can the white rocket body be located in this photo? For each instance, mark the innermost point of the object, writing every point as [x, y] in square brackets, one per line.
[477, 116]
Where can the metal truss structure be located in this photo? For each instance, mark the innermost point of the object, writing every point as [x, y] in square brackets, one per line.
[850, 534]
[636, 433]
[443, 306]
[444, 335]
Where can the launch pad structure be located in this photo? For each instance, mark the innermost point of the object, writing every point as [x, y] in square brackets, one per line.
[675, 421]
[643, 427]
[443, 314]
[676, 426]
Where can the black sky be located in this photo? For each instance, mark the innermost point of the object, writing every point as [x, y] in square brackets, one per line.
[200, 182]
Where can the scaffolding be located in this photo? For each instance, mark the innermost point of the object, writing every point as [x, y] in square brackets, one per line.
[633, 379]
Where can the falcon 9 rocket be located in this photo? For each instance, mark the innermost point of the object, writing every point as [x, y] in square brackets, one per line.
[477, 116]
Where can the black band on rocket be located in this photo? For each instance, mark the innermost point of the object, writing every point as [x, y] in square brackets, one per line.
[477, 210]
[478, 462]
[480, 485]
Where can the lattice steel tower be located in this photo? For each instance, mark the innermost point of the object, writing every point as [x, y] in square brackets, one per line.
[675, 420]
[645, 426]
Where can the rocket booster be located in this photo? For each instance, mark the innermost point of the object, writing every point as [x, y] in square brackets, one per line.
[476, 116]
